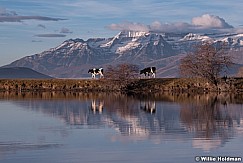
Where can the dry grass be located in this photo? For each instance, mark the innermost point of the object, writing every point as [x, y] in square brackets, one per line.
[105, 85]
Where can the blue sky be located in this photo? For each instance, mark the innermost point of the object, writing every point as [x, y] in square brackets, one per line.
[28, 27]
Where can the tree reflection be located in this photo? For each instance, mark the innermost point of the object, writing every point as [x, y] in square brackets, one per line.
[213, 119]
[209, 116]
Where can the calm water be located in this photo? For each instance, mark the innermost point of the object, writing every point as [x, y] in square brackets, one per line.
[77, 127]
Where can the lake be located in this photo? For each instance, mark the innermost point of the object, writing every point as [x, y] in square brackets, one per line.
[60, 127]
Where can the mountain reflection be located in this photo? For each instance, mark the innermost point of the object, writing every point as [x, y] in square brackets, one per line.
[210, 120]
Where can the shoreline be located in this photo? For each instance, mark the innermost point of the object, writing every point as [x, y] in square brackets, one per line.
[155, 85]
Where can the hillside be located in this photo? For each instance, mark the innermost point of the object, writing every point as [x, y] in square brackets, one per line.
[21, 72]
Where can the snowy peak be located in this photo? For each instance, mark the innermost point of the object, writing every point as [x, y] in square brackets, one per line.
[72, 43]
[132, 43]
[124, 36]
[195, 37]
[234, 40]
[133, 33]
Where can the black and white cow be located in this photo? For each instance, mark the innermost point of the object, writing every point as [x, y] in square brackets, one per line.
[96, 71]
[148, 71]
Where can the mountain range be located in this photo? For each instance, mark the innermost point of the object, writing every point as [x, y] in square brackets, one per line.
[74, 57]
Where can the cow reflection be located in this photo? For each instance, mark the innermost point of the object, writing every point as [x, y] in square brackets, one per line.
[97, 106]
[148, 106]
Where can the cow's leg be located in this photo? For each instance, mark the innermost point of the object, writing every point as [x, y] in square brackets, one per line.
[146, 74]
[93, 75]
[149, 75]
[153, 75]
[101, 75]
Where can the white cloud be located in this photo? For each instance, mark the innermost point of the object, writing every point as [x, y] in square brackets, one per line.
[129, 26]
[170, 27]
[210, 21]
[204, 23]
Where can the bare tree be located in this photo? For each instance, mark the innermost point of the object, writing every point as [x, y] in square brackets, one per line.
[207, 61]
[122, 73]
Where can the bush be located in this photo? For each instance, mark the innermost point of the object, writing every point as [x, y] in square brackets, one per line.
[122, 74]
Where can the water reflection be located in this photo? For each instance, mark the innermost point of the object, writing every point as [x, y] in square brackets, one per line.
[209, 120]
[15, 146]
[97, 106]
[214, 119]
[148, 106]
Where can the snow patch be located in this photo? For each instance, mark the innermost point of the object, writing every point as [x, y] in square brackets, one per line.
[192, 37]
[236, 40]
[129, 46]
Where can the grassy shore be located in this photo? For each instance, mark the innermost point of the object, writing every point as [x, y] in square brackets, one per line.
[132, 86]
[54, 85]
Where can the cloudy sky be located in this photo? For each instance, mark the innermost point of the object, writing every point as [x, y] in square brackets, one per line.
[28, 27]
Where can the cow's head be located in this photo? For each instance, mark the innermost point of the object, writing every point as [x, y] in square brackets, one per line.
[142, 71]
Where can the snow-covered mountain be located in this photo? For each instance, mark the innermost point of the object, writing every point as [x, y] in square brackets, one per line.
[74, 57]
